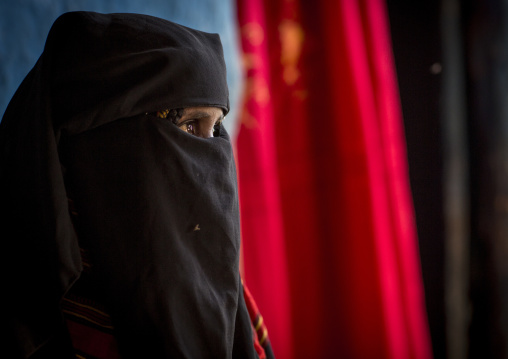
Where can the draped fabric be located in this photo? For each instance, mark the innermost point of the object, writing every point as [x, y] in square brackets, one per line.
[321, 140]
[323, 184]
[419, 43]
[158, 207]
[262, 236]
[451, 58]
[25, 24]
[485, 75]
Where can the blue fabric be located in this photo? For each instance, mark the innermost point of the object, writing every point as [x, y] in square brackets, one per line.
[24, 26]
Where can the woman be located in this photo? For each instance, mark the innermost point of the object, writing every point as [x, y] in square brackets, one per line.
[119, 206]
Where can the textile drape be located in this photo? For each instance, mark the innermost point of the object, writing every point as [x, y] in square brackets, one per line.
[329, 239]
[261, 212]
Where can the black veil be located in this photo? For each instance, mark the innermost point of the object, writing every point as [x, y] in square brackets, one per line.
[157, 208]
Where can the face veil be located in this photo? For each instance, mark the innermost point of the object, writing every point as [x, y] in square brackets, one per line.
[157, 208]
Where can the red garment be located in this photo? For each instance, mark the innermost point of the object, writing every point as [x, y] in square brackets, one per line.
[92, 333]
[260, 332]
[90, 329]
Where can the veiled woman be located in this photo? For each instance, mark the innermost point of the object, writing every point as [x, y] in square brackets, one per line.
[118, 197]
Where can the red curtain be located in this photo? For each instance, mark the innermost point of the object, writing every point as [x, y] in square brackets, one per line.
[328, 233]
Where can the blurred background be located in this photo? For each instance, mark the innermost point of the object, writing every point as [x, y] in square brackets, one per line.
[371, 140]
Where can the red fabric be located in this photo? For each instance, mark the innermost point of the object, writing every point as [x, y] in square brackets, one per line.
[90, 341]
[259, 330]
[324, 187]
[262, 232]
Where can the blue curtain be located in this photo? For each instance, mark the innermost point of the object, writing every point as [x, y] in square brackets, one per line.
[24, 26]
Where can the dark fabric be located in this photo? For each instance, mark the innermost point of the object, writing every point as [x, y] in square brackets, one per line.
[158, 208]
[486, 53]
[417, 45]
[244, 338]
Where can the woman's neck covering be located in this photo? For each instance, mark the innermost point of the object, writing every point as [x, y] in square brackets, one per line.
[157, 207]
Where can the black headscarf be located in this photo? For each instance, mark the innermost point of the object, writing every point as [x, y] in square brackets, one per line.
[157, 207]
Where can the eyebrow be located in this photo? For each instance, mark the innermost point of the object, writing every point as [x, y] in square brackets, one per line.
[197, 114]
[200, 114]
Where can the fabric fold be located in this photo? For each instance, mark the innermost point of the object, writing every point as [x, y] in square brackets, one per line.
[157, 207]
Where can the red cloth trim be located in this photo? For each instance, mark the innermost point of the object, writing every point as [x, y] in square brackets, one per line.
[92, 341]
[257, 323]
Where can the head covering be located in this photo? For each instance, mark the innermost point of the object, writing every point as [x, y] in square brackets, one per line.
[157, 207]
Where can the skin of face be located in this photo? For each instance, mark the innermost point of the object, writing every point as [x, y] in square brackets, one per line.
[200, 121]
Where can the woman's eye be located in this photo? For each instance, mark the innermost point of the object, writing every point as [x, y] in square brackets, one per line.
[190, 127]
[204, 126]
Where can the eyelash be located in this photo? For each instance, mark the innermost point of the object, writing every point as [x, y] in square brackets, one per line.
[216, 126]
[175, 114]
